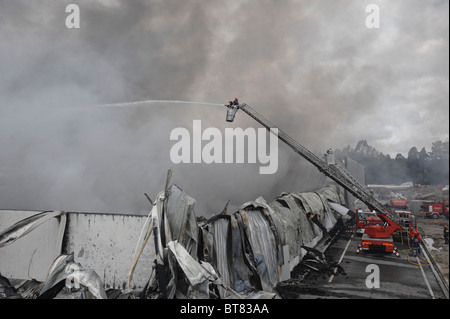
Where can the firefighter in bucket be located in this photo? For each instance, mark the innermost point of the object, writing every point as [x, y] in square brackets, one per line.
[232, 108]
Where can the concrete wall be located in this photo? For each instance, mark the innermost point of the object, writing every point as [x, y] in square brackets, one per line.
[106, 243]
[103, 242]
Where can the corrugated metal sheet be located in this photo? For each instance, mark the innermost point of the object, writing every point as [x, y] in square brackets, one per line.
[222, 234]
[264, 246]
[180, 213]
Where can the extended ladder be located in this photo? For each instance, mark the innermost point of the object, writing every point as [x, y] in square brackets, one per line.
[336, 172]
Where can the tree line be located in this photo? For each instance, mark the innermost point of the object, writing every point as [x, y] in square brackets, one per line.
[420, 167]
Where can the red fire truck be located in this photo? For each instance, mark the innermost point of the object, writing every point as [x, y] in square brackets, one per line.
[398, 204]
[434, 209]
[379, 230]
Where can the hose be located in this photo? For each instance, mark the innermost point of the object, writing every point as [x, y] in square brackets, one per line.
[409, 260]
[416, 264]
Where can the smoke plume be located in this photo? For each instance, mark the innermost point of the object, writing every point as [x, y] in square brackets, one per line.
[313, 68]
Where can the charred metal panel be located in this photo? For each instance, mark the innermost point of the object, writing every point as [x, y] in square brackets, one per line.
[30, 256]
[182, 220]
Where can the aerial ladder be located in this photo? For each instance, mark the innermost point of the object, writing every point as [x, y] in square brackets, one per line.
[334, 171]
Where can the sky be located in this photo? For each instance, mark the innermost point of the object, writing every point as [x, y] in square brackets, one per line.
[314, 68]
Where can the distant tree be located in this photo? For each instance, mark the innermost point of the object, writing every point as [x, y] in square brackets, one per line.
[398, 171]
[413, 153]
[419, 167]
[423, 155]
[423, 165]
[438, 165]
[439, 150]
[412, 165]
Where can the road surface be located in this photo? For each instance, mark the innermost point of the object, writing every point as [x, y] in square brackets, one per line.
[365, 275]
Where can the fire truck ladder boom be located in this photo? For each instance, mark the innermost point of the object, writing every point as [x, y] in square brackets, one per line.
[334, 171]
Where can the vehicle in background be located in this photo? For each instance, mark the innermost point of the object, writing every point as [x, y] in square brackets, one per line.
[398, 204]
[435, 209]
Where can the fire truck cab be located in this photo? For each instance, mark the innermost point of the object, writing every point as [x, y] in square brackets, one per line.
[362, 219]
[435, 209]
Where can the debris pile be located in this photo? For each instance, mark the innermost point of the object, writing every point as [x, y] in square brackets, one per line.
[427, 193]
[241, 255]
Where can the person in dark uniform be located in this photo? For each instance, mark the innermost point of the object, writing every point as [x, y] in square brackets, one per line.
[446, 234]
[415, 246]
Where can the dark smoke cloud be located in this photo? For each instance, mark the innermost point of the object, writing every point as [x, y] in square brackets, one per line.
[312, 67]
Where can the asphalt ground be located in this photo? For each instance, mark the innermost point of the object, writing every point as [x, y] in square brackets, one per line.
[364, 275]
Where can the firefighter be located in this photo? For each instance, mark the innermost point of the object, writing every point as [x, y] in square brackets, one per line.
[230, 103]
[446, 234]
[415, 246]
[236, 102]
[416, 234]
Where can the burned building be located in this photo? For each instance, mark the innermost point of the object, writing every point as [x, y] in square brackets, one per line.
[171, 253]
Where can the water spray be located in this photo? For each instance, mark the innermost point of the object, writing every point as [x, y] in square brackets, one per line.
[155, 101]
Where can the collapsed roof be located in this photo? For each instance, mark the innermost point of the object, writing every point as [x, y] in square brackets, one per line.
[240, 255]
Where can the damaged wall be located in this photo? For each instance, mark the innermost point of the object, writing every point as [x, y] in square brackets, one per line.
[101, 242]
[29, 257]
[106, 243]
